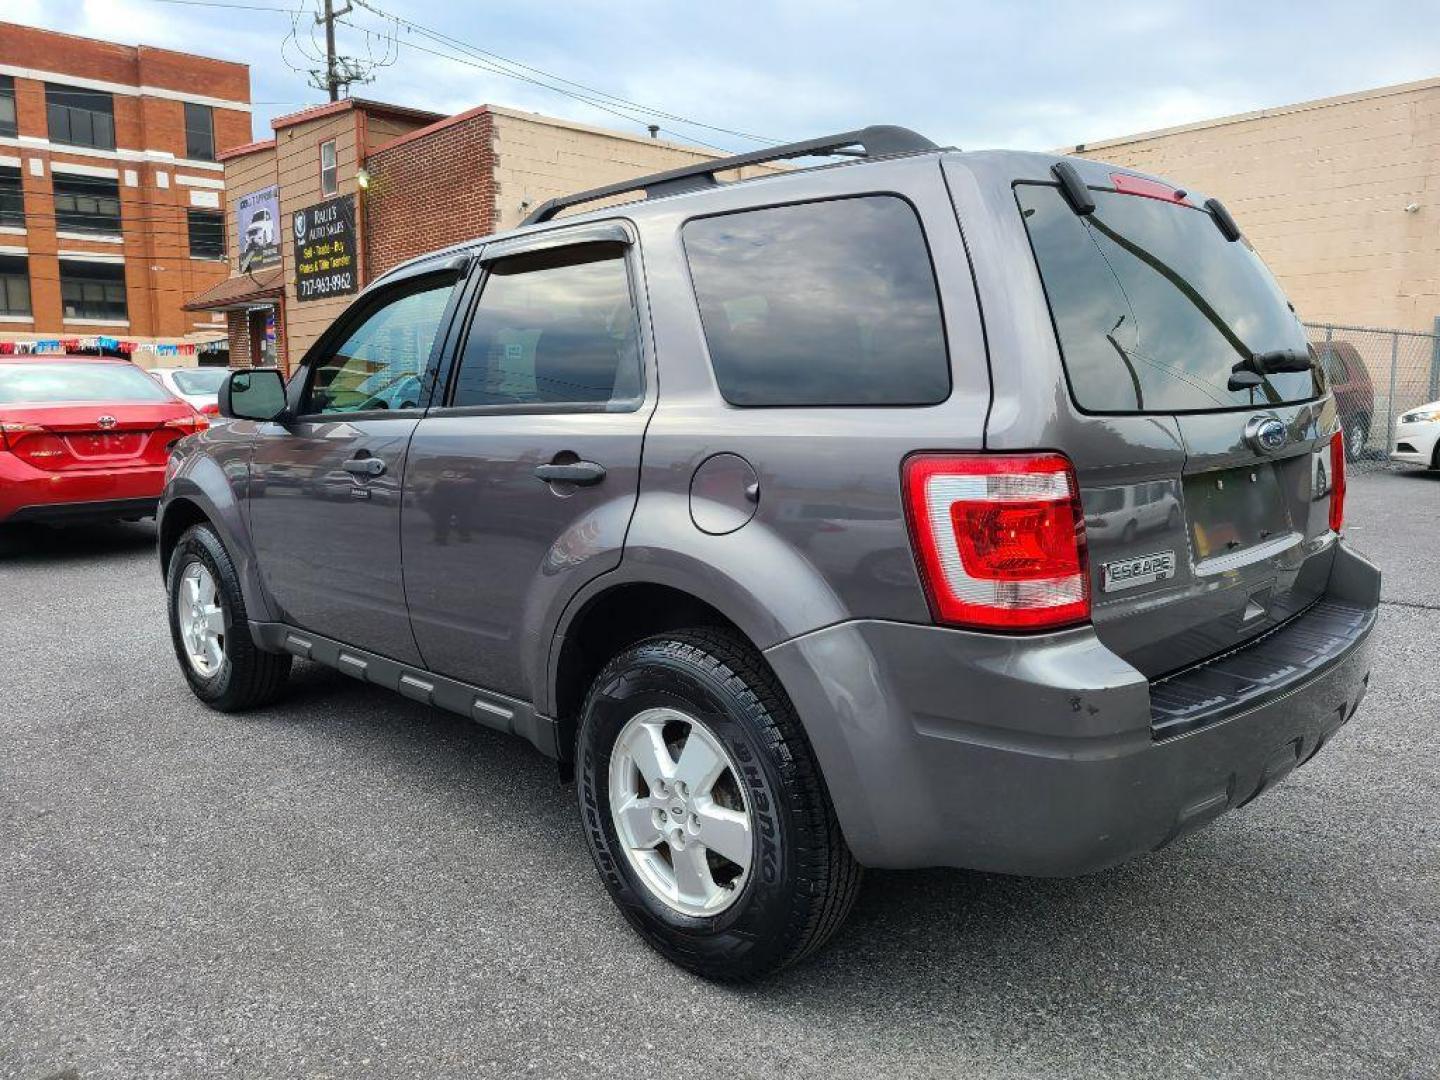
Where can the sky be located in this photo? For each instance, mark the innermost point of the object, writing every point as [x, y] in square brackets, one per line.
[1031, 76]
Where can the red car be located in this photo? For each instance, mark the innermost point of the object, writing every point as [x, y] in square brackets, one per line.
[84, 440]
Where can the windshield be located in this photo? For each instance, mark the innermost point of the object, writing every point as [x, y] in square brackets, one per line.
[43, 383]
[1154, 308]
[200, 381]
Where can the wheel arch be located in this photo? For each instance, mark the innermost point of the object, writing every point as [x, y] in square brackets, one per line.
[201, 495]
[614, 617]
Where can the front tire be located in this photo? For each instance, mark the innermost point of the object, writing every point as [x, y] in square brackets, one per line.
[210, 629]
[705, 810]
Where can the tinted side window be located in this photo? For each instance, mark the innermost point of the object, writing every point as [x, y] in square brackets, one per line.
[827, 303]
[556, 327]
[382, 361]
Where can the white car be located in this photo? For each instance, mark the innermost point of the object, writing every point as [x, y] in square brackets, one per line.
[196, 385]
[1417, 434]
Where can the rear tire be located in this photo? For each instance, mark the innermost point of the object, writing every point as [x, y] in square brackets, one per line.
[800, 880]
[235, 675]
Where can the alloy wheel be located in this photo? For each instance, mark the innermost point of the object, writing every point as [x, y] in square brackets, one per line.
[201, 619]
[680, 811]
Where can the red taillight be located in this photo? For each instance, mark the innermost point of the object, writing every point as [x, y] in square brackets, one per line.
[187, 424]
[1337, 481]
[212, 409]
[11, 434]
[1000, 539]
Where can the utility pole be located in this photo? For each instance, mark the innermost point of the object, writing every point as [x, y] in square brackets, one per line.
[333, 79]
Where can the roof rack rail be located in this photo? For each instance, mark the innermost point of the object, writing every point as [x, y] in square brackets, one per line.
[876, 141]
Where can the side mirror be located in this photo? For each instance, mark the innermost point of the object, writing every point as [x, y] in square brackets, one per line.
[258, 394]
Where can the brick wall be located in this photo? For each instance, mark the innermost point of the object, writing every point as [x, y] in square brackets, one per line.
[238, 327]
[156, 182]
[430, 189]
[1320, 189]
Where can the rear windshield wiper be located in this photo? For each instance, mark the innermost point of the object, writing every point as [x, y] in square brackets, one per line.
[1249, 374]
[1281, 360]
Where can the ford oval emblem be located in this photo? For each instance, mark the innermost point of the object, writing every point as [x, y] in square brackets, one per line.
[1266, 434]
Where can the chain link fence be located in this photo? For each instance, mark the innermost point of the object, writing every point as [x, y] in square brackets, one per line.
[1376, 375]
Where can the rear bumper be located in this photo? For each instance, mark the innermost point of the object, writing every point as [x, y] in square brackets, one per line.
[30, 494]
[1038, 755]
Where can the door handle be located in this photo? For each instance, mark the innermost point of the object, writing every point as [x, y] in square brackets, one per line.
[575, 472]
[365, 466]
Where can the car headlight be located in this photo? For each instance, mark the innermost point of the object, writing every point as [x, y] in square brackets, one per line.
[1421, 416]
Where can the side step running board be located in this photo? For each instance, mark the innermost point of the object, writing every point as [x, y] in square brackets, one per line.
[483, 706]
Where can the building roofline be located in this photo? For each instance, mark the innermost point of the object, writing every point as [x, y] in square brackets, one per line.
[331, 108]
[120, 44]
[1258, 114]
[247, 148]
[574, 125]
[430, 129]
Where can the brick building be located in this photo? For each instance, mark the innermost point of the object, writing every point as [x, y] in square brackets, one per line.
[409, 182]
[112, 195]
[1341, 196]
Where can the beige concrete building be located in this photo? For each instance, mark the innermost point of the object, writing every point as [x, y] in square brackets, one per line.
[1340, 196]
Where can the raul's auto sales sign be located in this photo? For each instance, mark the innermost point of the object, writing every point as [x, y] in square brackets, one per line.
[325, 249]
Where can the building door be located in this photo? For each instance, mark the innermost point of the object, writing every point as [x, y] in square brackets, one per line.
[261, 329]
[325, 488]
[519, 486]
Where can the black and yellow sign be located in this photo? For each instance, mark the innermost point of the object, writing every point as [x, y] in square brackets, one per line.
[325, 262]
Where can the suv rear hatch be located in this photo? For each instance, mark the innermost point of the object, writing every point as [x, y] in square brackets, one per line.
[1200, 431]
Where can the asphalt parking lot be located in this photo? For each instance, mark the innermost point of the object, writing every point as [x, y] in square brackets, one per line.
[350, 885]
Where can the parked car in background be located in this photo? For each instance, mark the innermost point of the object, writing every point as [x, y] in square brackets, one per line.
[1353, 389]
[200, 386]
[776, 538]
[84, 440]
[1417, 436]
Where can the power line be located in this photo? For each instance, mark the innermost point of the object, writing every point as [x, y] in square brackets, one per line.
[648, 110]
[496, 70]
[494, 63]
[220, 4]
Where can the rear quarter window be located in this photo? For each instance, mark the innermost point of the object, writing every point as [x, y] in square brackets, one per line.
[824, 303]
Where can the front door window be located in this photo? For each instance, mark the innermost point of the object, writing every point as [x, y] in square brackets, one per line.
[381, 362]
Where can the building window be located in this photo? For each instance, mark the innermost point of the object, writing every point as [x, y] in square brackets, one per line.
[93, 291]
[199, 132]
[14, 286]
[12, 199]
[80, 117]
[207, 234]
[329, 182]
[88, 204]
[9, 128]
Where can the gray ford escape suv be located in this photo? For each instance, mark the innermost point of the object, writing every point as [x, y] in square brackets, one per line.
[779, 513]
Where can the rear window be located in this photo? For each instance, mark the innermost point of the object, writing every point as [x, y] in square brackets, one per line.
[44, 383]
[200, 381]
[1153, 307]
[826, 303]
